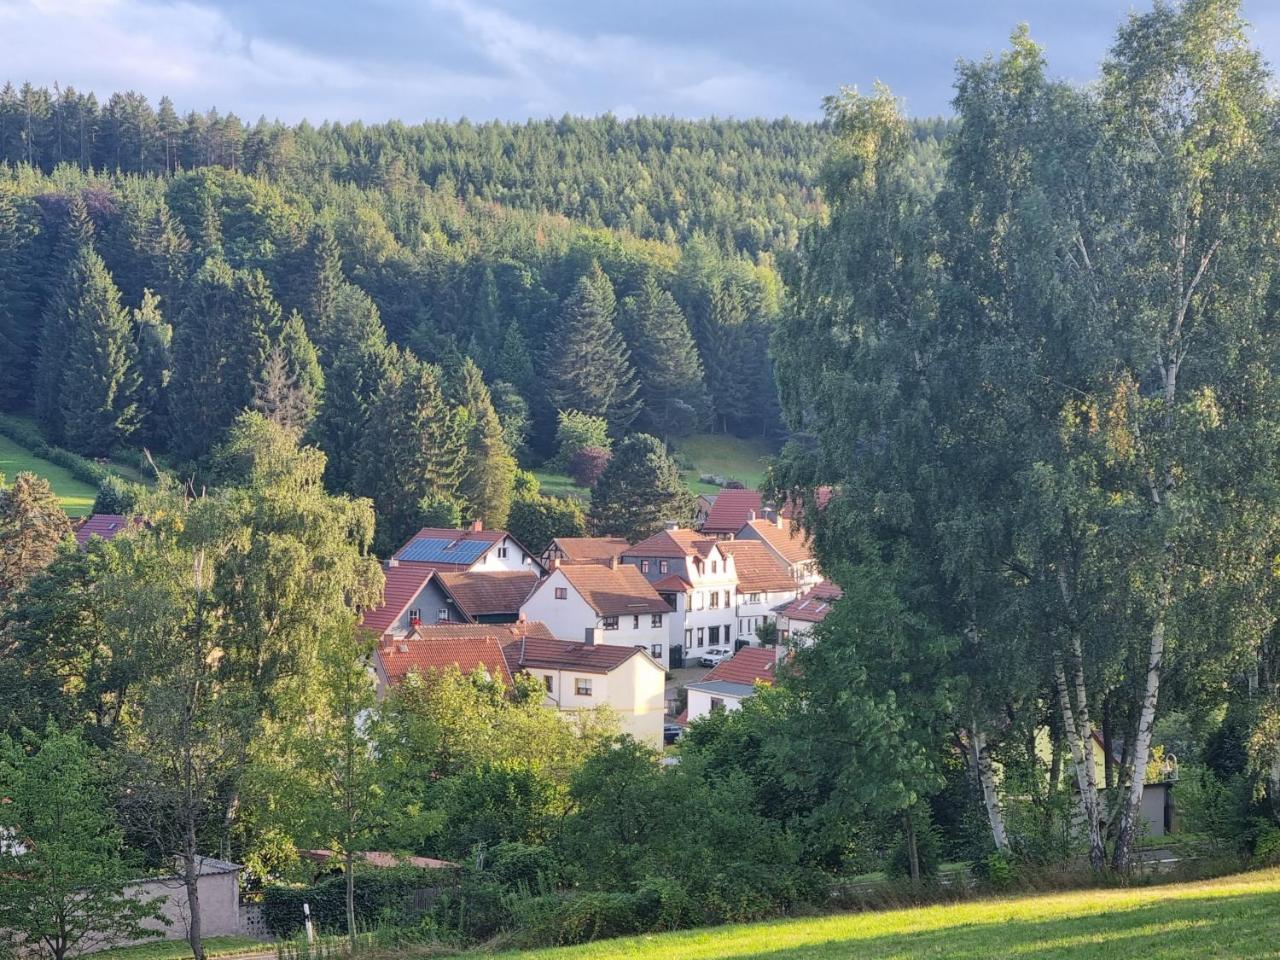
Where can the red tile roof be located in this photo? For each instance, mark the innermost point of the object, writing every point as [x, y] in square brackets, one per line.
[785, 537]
[673, 583]
[614, 591]
[104, 525]
[749, 665]
[731, 510]
[480, 593]
[536, 652]
[680, 542]
[757, 568]
[404, 580]
[450, 533]
[588, 549]
[420, 655]
[468, 631]
[814, 605]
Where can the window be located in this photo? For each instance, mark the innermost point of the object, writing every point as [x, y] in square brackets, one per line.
[700, 636]
[717, 704]
[713, 636]
[728, 633]
[663, 566]
[582, 686]
[635, 622]
[656, 651]
[502, 552]
[609, 623]
[549, 682]
[688, 638]
[655, 619]
[698, 597]
[415, 615]
[713, 566]
[727, 601]
[644, 566]
[562, 593]
[442, 615]
[754, 598]
[715, 599]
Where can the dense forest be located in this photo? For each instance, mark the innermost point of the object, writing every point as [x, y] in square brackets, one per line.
[478, 280]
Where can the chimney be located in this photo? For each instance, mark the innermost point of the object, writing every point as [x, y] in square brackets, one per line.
[592, 636]
[673, 524]
[477, 526]
[751, 515]
[393, 562]
[777, 520]
[613, 562]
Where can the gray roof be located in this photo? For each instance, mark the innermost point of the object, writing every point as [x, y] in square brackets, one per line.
[723, 688]
[209, 866]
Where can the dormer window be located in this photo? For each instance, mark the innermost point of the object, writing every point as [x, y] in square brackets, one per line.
[502, 552]
[713, 566]
[663, 566]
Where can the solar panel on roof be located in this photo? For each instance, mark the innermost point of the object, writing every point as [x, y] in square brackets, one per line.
[439, 550]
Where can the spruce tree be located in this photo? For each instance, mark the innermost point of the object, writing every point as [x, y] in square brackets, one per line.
[56, 329]
[411, 449]
[666, 357]
[219, 347]
[19, 301]
[154, 340]
[353, 371]
[588, 366]
[640, 490]
[99, 397]
[515, 363]
[322, 283]
[486, 334]
[489, 469]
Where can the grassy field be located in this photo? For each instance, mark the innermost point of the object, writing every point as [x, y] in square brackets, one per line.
[179, 950]
[1233, 917]
[729, 457]
[559, 485]
[76, 496]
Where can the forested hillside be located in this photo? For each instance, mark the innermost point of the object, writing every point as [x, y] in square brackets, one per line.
[160, 274]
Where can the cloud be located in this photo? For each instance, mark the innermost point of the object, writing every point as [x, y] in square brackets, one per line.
[202, 55]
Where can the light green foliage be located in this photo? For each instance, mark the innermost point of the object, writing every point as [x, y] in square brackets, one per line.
[640, 491]
[62, 887]
[32, 528]
[537, 519]
[488, 470]
[575, 430]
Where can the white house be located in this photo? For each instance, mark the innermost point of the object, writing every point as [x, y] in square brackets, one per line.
[730, 682]
[764, 584]
[691, 570]
[473, 548]
[797, 619]
[576, 600]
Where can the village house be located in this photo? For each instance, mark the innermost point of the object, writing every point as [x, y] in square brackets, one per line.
[487, 596]
[797, 619]
[473, 548]
[575, 600]
[576, 675]
[567, 550]
[730, 682]
[104, 525]
[730, 510]
[763, 584]
[787, 542]
[697, 580]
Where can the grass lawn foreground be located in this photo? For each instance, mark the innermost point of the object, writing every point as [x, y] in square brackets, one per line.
[1231, 917]
[76, 496]
[179, 949]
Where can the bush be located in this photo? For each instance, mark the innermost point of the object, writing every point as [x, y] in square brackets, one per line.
[928, 849]
[1266, 851]
[999, 872]
[586, 465]
[476, 909]
[523, 866]
[117, 495]
[575, 430]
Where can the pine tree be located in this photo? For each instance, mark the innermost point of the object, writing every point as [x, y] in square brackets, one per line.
[640, 490]
[515, 363]
[219, 346]
[671, 383]
[588, 366]
[154, 340]
[354, 369]
[322, 281]
[32, 526]
[486, 340]
[19, 302]
[289, 388]
[99, 398]
[411, 449]
[57, 322]
[489, 469]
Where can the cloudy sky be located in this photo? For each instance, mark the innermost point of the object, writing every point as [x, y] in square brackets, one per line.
[418, 59]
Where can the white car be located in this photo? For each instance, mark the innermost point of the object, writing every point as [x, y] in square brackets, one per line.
[709, 658]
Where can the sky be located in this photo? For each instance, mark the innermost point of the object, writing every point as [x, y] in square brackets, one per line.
[414, 60]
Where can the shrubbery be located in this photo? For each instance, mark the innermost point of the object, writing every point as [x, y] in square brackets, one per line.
[379, 895]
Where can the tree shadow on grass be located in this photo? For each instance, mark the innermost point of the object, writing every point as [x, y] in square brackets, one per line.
[1245, 926]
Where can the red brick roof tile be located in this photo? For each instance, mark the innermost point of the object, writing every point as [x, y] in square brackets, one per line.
[748, 665]
[614, 591]
[814, 605]
[480, 593]
[757, 568]
[404, 580]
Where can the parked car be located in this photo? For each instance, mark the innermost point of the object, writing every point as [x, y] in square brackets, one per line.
[671, 732]
[710, 658]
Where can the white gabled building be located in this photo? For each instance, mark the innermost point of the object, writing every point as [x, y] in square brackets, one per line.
[788, 544]
[763, 585]
[797, 619]
[472, 548]
[609, 603]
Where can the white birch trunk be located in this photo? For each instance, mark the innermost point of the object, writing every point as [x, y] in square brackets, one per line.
[987, 781]
[1080, 743]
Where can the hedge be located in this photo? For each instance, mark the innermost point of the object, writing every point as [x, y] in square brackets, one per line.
[379, 896]
[28, 436]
